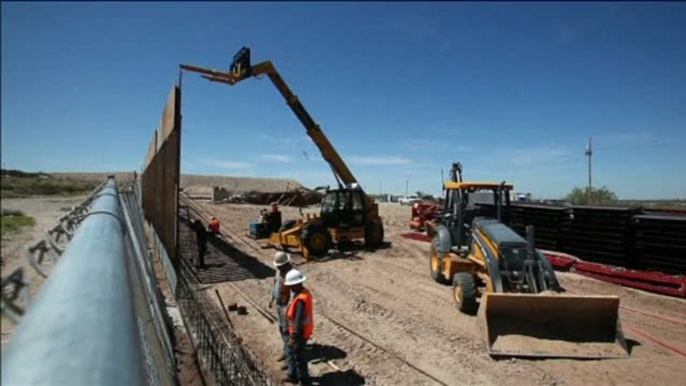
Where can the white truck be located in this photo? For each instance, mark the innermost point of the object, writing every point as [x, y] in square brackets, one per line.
[408, 200]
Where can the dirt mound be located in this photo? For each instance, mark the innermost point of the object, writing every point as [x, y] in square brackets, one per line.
[240, 184]
[201, 183]
[199, 191]
[119, 176]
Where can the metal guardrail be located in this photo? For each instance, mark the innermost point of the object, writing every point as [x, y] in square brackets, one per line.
[81, 328]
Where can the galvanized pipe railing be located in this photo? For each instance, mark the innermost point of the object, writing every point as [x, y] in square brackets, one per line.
[80, 329]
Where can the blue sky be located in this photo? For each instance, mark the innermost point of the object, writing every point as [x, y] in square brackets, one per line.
[511, 90]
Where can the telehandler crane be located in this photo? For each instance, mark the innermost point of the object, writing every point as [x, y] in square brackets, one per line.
[347, 213]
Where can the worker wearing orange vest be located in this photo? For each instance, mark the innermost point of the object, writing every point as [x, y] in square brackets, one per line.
[300, 327]
[214, 225]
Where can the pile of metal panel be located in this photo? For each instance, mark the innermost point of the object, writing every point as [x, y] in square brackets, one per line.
[549, 223]
[661, 242]
[600, 234]
[490, 210]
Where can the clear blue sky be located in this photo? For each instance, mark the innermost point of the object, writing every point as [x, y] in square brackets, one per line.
[511, 90]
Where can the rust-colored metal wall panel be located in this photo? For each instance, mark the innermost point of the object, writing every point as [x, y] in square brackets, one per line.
[152, 149]
[160, 179]
[169, 115]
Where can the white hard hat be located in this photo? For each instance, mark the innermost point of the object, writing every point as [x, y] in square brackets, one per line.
[281, 258]
[294, 277]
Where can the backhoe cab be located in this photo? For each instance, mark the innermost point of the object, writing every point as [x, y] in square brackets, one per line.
[347, 213]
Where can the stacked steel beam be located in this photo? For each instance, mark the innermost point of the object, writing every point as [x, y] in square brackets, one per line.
[549, 223]
[661, 242]
[601, 234]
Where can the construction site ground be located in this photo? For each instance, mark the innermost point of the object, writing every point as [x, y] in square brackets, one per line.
[381, 320]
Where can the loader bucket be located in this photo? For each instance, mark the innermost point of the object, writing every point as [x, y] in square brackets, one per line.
[550, 326]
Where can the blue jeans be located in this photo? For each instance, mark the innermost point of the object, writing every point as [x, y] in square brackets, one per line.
[297, 363]
[283, 326]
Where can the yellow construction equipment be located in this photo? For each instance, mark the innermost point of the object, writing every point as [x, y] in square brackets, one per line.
[347, 213]
[523, 312]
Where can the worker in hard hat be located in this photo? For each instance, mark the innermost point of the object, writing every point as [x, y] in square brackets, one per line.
[281, 295]
[300, 327]
[214, 226]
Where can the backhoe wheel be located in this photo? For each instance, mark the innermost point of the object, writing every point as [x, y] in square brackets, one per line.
[436, 263]
[464, 292]
[317, 240]
[373, 233]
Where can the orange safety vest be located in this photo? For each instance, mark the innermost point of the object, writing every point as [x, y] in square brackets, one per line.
[214, 226]
[308, 323]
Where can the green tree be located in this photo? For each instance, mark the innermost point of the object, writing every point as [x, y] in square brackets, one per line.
[601, 196]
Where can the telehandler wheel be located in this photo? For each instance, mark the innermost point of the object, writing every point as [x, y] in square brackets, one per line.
[373, 233]
[317, 240]
[465, 292]
[435, 263]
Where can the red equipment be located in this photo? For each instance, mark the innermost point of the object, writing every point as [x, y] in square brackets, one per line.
[423, 211]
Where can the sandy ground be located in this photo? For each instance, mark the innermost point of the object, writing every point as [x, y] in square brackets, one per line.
[381, 320]
[46, 211]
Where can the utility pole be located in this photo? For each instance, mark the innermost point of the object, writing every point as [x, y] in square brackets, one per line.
[407, 185]
[589, 153]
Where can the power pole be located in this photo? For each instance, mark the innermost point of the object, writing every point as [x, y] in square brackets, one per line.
[589, 153]
[407, 185]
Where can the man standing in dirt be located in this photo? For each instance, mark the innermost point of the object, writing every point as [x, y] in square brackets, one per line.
[300, 327]
[281, 295]
[201, 240]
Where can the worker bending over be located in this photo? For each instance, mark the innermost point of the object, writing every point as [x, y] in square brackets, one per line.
[214, 226]
[300, 327]
[281, 295]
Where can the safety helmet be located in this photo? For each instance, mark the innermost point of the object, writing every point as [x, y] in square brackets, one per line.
[281, 258]
[294, 277]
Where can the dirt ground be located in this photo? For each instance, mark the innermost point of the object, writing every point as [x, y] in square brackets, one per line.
[381, 320]
[46, 211]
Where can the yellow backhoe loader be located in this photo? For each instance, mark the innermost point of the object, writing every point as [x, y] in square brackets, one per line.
[347, 213]
[523, 311]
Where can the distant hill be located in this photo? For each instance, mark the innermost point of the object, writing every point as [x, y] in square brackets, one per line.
[191, 181]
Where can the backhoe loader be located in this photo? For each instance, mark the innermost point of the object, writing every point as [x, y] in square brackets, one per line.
[347, 213]
[523, 310]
